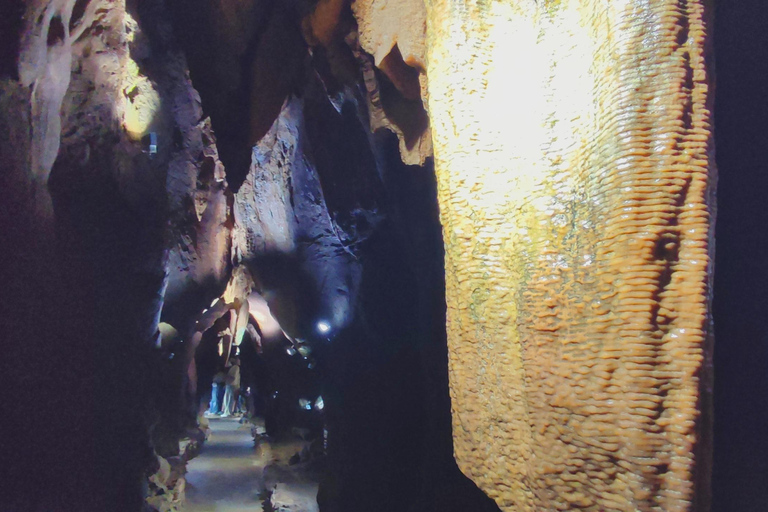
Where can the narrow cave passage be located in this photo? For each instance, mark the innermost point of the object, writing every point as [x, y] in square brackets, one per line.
[193, 186]
[227, 475]
[230, 475]
[264, 442]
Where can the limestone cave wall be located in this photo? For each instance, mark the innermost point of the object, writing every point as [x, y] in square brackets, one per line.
[103, 148]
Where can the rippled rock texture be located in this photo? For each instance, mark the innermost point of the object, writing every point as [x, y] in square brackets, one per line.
[574, 156]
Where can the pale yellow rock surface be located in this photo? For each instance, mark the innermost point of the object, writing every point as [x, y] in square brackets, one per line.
[573, 151]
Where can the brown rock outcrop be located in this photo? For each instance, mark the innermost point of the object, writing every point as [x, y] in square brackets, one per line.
[393, 33]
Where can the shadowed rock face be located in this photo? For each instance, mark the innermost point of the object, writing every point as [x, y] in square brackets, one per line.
[246, 58]
[287, 236]
[97, 84]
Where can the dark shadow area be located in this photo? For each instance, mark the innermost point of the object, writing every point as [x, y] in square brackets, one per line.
[111, 240]
[740, 474]
[407, 114]
[412, 193]
[218, 78]
[242, 72]
[346, 166]
[11, 12]
[289, 289]
[385, 378]
[78, 10]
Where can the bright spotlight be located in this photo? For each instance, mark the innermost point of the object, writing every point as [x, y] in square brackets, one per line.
[323, 327]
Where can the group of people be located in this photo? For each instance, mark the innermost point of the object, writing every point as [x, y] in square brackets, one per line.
[225, 395]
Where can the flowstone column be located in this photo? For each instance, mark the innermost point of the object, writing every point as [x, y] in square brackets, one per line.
[574, 157]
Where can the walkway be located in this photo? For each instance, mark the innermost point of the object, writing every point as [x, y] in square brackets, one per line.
[227, 476]
[230, 475]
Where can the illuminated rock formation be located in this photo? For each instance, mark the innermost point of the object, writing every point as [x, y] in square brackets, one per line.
[574, 156]
[393, 33]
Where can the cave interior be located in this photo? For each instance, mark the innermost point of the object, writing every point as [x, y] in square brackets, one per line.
[183, 182]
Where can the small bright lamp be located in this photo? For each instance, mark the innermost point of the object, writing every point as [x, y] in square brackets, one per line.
[323, 327]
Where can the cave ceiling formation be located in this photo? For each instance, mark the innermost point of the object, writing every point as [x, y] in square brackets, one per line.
[230, 163]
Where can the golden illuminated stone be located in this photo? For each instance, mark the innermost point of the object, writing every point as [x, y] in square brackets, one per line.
[573, 152]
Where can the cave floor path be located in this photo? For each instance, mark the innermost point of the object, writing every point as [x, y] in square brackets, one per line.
[228, 475]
